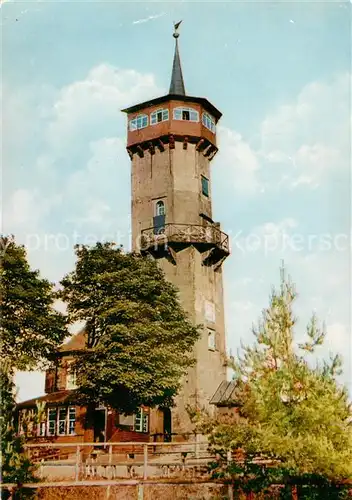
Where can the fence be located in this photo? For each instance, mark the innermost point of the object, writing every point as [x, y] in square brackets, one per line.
[152, 463]
[121, 459]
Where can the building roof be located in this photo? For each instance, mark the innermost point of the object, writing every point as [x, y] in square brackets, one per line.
[175, 97]
[53, 398]
[78, 342]
[177, 85]
[225, 394]
[177, 90]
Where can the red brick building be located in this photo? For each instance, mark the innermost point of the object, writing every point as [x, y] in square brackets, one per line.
[64, 421]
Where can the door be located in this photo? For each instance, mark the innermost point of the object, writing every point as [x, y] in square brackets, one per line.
[167, 425]
[99, 425]
[159, 224]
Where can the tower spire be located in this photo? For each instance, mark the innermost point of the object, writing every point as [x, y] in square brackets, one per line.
[177, 85]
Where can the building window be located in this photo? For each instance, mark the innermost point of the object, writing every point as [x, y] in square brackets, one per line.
[160, 208]
[126, 420]
[71, 379]
[141, 121]
[205, 186]
[188, 114]
[41, 428]
[211, 340]
[160, 115]
[57, 422]
[71, 420]
[209, 122]
[52, 416]
[209, 309]
[141, 421]
[62, 421]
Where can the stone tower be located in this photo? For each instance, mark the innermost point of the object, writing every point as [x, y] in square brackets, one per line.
[171, 141]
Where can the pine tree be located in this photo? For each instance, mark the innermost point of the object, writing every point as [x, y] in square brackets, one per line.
[291, 411]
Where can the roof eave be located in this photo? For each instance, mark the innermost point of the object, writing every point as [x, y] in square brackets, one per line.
[175, 97]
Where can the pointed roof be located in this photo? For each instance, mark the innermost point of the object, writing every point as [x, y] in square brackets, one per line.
[177, 90]
[177, 85]
[78, 342]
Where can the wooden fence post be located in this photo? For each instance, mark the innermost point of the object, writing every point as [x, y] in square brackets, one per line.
[140, 491]
[230, 487]
[78, 456]
[145, 461]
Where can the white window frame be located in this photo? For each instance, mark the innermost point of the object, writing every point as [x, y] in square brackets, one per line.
[154, 116]
[141, 421]
[60, 420]
[208, 122]
[70, 416]
[138, 122]
[178, 112]
[160, 208]
[211, 340]
[69, 420]
[48, 432]
[41, 428]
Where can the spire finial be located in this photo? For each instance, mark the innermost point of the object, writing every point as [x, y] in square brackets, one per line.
[177, 86]
[176, 26]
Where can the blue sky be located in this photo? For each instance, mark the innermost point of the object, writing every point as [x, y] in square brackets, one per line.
[279, 72]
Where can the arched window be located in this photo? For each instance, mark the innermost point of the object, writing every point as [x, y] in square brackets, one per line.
[160, 115]
[209, 122]
[140, 121]
[188, 114]
[160, 208]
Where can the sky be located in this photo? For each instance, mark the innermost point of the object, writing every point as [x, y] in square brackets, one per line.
[281, 75]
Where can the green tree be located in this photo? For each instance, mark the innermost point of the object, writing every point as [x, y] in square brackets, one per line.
[16, 467]
[30, 328]
[292, 413]
[139, 339]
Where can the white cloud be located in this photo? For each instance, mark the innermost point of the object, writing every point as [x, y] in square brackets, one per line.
[91, 108]
[238, 163]
[311, 135]
[302, 144]
[338, 339]
[149, 18]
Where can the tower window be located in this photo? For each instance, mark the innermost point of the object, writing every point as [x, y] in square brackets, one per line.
[208, 122]
[160, 208]
[160, 115]
[188, 114]
[211, 340]
[140, 121]
[205, 186]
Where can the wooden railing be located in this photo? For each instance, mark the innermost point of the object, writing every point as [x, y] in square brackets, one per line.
[91, 460]
[185, 233]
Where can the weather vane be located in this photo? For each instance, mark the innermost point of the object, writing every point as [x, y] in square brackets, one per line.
[176, 26]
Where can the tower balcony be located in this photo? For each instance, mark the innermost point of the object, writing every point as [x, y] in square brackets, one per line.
[171, 238]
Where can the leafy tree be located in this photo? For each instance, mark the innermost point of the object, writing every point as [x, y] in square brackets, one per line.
[16, 467]
[293, 424]
[139, 339]
[30, 328]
